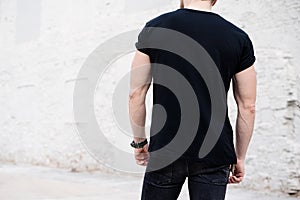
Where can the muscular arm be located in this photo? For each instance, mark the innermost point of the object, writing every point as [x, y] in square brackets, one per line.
[140, 79]
[244, 88]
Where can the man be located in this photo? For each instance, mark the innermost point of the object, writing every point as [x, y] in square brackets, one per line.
[232, 52]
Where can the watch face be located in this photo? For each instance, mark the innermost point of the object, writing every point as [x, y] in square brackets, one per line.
[133, 144]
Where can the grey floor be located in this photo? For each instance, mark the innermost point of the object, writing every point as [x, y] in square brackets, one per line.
[32, 183]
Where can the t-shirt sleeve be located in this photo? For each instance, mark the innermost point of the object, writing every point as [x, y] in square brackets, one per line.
[247, 58]
[142, 41]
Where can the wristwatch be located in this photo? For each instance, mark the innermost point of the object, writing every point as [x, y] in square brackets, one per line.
[139, 144]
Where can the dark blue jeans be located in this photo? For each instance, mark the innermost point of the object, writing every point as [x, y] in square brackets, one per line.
[204, 182]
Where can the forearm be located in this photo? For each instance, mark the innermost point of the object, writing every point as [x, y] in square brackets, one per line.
[140, 80]
[244, 130]
[137, 113]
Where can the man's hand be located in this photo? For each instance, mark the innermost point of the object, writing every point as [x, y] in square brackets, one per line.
[238, 173]
[141, 155]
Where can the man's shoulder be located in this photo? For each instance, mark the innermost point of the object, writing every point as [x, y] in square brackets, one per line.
[171, 17]
[238, 31]
[156, 21]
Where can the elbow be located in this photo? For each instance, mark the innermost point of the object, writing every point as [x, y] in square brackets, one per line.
[247, 107]
[137, 97]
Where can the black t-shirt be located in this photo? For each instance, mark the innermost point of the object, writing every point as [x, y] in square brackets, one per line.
[231, 50]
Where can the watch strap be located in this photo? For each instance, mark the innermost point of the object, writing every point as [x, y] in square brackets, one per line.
[139, 144]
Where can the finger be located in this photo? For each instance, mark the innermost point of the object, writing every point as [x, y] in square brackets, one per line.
[138, 150]
[143, 163]
[233, 180]
[236, 179]
[141, 154]
[139, 162]
[141, 157]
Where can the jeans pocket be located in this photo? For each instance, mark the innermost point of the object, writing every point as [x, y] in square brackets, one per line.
[216, 175]
[160, 177]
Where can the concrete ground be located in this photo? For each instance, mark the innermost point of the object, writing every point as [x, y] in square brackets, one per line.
[39, 183]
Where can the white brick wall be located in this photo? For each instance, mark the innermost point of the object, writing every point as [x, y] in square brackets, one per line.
[45, 42]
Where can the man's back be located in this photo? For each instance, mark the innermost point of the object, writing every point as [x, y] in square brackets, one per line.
[192, 56]
[221, 39]
[231, 50]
